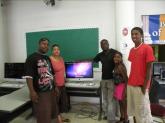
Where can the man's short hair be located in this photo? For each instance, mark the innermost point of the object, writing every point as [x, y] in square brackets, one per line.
[43, 39]
[55, 45]
[140, 30]
[104, 40]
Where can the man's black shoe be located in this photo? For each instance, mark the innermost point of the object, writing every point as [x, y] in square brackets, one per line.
[105, 118]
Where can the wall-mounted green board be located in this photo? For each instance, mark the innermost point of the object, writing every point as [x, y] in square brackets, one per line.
[75, 44]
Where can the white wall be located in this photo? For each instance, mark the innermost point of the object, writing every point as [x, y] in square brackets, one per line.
[26, 16]
[148, 7]
[3, 43]
[124, 42]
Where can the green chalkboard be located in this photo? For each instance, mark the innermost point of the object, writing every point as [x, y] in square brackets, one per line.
[75, 44]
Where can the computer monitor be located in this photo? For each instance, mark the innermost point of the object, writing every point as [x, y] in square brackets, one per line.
[14, 71]
[79, 71]
[157, 66]
[162, 74]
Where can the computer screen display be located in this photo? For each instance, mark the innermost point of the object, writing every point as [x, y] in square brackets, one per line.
[14, 70]
[162, 74]
[79, 71]
[157, 66]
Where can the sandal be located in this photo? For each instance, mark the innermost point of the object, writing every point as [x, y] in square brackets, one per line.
[127, 121]
[66, 120]
[121, 120]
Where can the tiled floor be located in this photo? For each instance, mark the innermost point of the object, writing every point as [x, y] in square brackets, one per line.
[71, 116]
[80, 113]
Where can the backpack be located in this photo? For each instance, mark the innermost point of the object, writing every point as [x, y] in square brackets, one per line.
[157, 110]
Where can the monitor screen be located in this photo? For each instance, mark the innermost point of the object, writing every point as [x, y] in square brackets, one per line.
[79, 71]
[162, 74]
[157, 66]
[14, 70]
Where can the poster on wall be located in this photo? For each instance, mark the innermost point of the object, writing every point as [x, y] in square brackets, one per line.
[154, 29]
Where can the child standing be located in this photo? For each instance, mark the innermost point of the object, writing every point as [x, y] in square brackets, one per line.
[120, 80]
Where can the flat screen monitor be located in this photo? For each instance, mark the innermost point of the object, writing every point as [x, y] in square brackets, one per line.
[14, 71]
[157, 66]
[79, 71]
[162, 74]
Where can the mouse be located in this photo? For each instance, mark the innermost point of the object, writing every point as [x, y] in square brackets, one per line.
[90, 84]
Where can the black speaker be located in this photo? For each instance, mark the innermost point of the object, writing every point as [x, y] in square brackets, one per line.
[52, 2]
[49, 2]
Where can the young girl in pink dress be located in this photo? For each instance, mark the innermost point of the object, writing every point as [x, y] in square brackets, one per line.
[59, 70]
[120, 80]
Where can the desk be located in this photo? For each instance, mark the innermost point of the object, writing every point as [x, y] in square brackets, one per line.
[10, 102]
[157, 90]
[13, 104]
[161, 91]
[86, 90]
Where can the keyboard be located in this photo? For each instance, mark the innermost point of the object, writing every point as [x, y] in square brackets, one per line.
[12, 85]
[82, 84]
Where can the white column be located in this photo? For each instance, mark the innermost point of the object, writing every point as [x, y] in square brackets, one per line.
[125, 21]
[1, 55]
[3, 48]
